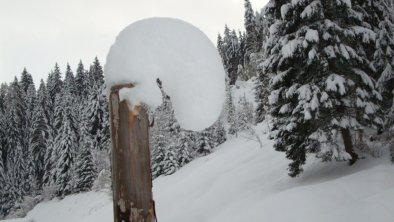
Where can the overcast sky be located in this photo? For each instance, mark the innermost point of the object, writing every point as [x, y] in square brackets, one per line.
[37, 33]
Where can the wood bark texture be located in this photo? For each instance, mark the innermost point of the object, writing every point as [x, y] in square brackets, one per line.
[131, 172]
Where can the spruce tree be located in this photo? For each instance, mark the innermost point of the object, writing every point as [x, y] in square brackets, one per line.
[384, 55]
[244, 113]
[231, 57]
[252, 41]
[170, 161]
[183, 149]
[65, 148]
[231, 113]
[321, 87]
[3, 91]
[54, 87]
[26, 80]
[96, 73]
[85, 169]
[2, 148]
[16, 146]
[69, 80]
[98, 115]
[158, 153]
[82, 81]
[39, 136]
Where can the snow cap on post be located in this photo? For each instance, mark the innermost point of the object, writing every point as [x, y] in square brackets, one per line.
[182, 57]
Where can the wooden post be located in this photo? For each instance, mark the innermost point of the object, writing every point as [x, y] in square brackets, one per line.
[131, 172]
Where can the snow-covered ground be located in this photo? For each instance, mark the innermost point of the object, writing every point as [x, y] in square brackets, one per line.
[242, 182]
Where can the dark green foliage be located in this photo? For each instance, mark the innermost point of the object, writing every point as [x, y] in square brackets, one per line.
[321, 78]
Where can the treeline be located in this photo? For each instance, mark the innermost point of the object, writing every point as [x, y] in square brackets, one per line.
[50, 138]
[55, 140]
[324, 74]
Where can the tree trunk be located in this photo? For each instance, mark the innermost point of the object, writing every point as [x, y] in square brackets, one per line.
[347, 141]
[131, 173]
[360, 136]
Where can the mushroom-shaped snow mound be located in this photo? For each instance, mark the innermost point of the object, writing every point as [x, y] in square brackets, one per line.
[182, 57]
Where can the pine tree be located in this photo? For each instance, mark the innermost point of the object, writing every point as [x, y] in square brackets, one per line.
[170, 161]
[219, 45]
[85, 169]
[65, 148]
[54, 88]
[82, 81]
[203, 146]
[244, 113]
[158, 153]
[98, 115]
[39, 136]
[96, 73]
[16, 149]
[183, 149]
[230, 54]
[69, 80]
[3, 91]
[2, 148]
[384, 55]
[26, 80]
[230, 110]
[316, 55]
[252, 41]
[219, 133]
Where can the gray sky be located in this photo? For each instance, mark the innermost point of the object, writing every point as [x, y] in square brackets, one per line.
[37, 33]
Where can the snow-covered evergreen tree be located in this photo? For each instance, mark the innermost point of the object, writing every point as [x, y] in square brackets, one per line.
[230, 54]
[230, 112]
[82, 82]
[69, 80]
[65, 148]
[157, 155]
[3, 179]
[98, 116]
[65, 143]
[384, 54]
[15, 151]
[39, 136]
[244, 113]
[54, 87]
[170, 160]
[85, 169]
[183, 149]
[96, 73]
[320, 78]
[252, 41]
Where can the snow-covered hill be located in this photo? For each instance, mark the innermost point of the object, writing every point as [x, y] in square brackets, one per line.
[242, 182]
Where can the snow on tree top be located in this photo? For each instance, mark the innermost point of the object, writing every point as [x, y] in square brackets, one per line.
[181, 56]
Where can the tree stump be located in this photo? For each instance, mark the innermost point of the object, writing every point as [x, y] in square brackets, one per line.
[131, 172]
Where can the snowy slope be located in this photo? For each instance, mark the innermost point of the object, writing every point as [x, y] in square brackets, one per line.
[242, 182]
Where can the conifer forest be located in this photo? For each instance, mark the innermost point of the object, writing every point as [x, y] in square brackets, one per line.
[323, 83]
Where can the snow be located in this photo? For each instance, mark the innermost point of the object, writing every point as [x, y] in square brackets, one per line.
[312, 54]
[310, 9]
[242, 182]
[184, 59]
[85, 207]
[365, 78]
[284, 10]
[336, 83]
[290, 48]
[348, 3]
[312, 36]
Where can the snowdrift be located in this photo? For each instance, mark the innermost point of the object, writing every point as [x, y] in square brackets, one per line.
[242, 182]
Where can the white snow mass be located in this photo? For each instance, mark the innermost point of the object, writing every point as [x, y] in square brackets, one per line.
[182, 57]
